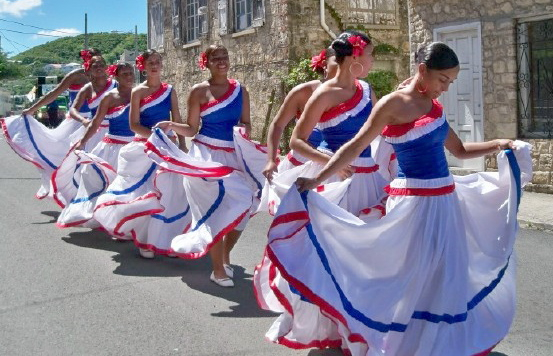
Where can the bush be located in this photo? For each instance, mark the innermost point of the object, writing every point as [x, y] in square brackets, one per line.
[382, 81]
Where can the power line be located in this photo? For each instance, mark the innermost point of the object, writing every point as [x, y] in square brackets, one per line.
[31, 33]
[21, 44]
[40, 28]
[7, 39]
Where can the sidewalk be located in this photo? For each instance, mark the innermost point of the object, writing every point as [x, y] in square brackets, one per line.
[536, 211]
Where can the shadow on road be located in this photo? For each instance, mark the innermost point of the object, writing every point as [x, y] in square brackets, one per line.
[53, 214]
[128, 258]
[194, 273]
[497, 354]
[242, 294]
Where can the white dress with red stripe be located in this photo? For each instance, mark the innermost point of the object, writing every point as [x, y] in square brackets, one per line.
[45, 148]
[92, 105]
[221, 198]
[302, 324]
[434, 276]
[144, 203]
[82, 177]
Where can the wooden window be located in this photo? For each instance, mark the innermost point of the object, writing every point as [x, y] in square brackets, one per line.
[196, 19]
[248, 13]
[176, 22]
[156, 26]
[535, 79]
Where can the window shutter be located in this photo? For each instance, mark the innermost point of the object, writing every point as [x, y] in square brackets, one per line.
[176, 22]
[222, 10]
[156, 26]
[203, 12]
[258, 18]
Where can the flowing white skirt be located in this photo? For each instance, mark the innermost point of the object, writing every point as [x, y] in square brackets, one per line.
[131, 201]
[434, 276]
[45, 148]
[356, 194]
[219, 193]
[82, 177]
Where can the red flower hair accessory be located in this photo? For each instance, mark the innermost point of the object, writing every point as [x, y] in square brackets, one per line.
[112, 70]
[86, 56]
[318, 62]
[139, 62]
[358, 45]
[202, 61]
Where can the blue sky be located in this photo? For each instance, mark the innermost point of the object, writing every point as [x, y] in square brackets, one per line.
[66, 16]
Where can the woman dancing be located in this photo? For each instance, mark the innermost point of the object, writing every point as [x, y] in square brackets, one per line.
[435, 275]
[220, 207]
[82, 177]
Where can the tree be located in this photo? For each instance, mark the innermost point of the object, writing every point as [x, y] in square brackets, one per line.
[9, 70]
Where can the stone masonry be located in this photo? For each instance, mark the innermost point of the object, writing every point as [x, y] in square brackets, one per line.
[498, 20]
[261, 56]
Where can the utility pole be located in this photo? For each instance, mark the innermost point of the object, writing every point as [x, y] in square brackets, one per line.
[85, 31]
[137, 72]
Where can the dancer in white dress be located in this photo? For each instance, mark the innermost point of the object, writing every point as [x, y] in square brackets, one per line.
[143, 202]
[339, 108]
[220, 207]
[436, 275]
[46, 148]
[292, 107]
[82, 176]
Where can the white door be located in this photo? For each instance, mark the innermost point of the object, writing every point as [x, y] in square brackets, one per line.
[463, 102]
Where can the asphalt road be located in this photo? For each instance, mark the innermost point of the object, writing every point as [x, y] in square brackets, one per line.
[77, 292]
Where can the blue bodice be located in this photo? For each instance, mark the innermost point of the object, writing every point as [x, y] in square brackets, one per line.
[119, 121]
[156, 107]
[419, 145]
[341, 123]
[221, 115]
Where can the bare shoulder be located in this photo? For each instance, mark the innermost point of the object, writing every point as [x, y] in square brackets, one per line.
[77, 75]
[306, 89]
[199, 89]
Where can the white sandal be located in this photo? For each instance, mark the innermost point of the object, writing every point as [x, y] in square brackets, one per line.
[146, 253]
[229, 270]
[223, 282]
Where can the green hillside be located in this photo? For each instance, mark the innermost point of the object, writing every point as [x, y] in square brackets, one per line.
[66, 49]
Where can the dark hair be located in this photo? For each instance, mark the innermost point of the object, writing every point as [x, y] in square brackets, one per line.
[214, 47]
[437, 55]
[122, 65]
[330, 52]
[97, 58]
[149, 53]
[343, 48]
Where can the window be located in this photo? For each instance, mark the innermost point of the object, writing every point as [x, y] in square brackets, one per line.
[222, 10]
[248, 13]
[535, 79]
[176, 22]
[196, 19]
[156, 26]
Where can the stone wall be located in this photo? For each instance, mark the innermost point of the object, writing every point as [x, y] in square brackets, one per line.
[499, 66]
[262, 56]
[257, 57]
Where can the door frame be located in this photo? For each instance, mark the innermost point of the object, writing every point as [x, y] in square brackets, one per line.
[476, 25]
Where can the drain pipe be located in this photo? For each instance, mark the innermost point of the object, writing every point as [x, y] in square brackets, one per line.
[323, 21]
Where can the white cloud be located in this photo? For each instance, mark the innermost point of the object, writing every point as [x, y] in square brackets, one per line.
[61, 32]
[18, 7]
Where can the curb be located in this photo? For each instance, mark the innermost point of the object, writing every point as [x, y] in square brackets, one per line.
[533, 225]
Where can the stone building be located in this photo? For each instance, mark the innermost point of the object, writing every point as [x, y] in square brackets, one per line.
[265, 38]
[505, 87]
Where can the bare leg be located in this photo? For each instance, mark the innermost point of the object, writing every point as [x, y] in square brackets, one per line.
[230, 240]
[217, 254]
